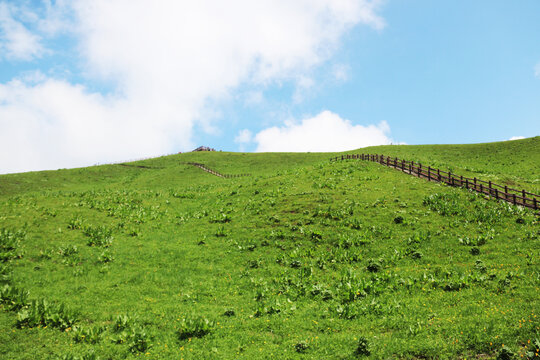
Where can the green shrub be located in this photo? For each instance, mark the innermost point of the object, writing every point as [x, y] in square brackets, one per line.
[194, 327]
[505, 354]
[374, 265]
[9, 242]
[68, 250]
[75, 223]
[122, 322]
[98, 236]
[105, 257]
[220, 232]
[91, 335]
[13, 298]
[221, 218]
[42, 313]
[444, 204]
[89, 356]
[362, 349]
[301, 346]
[139, 340]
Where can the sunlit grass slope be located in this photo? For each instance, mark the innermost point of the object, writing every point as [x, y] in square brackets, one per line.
[302, 259]
[509, 162]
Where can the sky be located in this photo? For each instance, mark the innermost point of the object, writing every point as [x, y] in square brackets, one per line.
[86, 82]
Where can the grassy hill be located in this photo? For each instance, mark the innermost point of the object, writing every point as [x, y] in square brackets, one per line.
[302, 259]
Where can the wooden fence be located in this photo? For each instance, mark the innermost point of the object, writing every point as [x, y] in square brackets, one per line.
[499, 192]
[213, 172]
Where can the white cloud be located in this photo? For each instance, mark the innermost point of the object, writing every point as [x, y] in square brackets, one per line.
[325, 132]
[166, 60]
[516, 138]
[54, 124]
[57, 17]
[204, 48]
[244, 136]
[341, 72]
[16, 41]
[253, 98]
[537, 70]
[303, 85]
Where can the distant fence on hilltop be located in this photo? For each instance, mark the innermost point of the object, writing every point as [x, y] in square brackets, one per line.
[213, 172]
[499, 192]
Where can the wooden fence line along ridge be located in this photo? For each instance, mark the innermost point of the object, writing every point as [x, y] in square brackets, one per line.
[499, 192]
[213, 172]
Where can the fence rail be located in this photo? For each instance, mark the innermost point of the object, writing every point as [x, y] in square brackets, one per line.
[499, 192]
[213, 172]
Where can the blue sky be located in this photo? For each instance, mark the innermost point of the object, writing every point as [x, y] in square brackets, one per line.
[95, 81]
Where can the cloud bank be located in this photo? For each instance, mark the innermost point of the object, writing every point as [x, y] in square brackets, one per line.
[165, 61]
[16, 41]
[325, 132]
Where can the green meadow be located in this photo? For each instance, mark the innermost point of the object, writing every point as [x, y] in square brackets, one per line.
[303, 259]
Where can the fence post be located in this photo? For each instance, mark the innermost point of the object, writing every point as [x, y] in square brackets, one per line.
[491, 190]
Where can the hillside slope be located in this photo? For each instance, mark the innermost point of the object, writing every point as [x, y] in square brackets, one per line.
[514, 162]
[303, 259]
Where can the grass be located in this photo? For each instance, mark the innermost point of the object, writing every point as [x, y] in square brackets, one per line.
[513, 163]
[303, 259]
